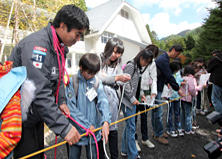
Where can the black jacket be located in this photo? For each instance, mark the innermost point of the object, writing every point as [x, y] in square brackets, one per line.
[215, 68]
[36, 52]
[162, 63]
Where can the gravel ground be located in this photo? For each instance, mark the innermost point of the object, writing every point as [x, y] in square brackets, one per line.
[187, 147]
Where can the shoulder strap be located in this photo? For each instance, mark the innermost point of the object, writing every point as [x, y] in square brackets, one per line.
[75, 83]
[75, 80]
[96, 84]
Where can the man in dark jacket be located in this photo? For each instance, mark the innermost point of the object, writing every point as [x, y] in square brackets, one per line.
[43, 53]
[215, 68]
[162, 63]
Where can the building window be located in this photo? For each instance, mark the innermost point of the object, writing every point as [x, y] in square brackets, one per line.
[78, 57]
[69, 63]
[82, 38]
[105, 37]
[124, 14]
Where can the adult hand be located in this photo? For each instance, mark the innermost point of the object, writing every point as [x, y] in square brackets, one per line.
[64, 109]
[181, 93]
[136, 102]
[105, 131]
[73, 136]
[122, 78]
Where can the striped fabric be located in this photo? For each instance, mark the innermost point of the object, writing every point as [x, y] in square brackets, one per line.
[11, 126]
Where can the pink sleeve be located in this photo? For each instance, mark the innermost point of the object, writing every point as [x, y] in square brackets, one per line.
[192, 86]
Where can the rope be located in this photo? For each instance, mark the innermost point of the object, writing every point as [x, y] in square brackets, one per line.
[95, 130]
[88, 131]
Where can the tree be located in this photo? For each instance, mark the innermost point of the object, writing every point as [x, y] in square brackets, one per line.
[211, 36]
[190, 42]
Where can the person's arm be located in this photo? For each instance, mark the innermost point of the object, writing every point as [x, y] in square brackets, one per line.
[163, 65]
[11, 127]
[153, 75]
[192, 87]
[44, 101]
[103, 105]
[128, 91]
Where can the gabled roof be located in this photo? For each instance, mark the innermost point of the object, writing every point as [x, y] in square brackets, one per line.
[101, 17]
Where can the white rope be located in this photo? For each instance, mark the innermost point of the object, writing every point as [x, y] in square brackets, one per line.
[104, 147]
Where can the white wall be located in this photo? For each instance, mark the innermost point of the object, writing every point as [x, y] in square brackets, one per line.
[124, 27]
[130, 51]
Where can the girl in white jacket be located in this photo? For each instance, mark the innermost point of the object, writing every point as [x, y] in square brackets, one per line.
[149, 86]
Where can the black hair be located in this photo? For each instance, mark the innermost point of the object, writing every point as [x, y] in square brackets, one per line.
[216, 52]
[188, 70]
[72, 16]
[177, 59]
[201, 59]
[175, 66]
[154, 49]
[146, 54]
[177, 47]
[90, 62]
[109, 48]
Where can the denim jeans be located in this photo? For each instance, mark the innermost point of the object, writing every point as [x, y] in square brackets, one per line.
[157, 115]
[174, 109]
[217, 98]
[128, 139]
[75, 151]
[194, 102]
[143, 121]
[186, 116]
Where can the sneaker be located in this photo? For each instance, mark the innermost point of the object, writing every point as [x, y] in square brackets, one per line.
[161, 140]
[195, 126]
[180, 133]
[199, 111]
[138, 147]
[123, 154]
[189, 132]
[206, 111]
[172, 133]
[137, 157]
[148, 143]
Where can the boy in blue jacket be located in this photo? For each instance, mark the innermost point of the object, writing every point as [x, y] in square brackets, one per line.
[88, 105]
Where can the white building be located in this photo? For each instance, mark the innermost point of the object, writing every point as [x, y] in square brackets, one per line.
[116, 18]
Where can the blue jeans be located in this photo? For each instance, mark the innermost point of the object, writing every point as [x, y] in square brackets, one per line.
[174, 109]
[194, 99]
[143, 121]
[75, 151]
[128, 139]
[157, 115]
[217, 98]
[186, 116]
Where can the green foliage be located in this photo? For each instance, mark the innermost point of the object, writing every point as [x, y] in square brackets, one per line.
[190, 42]
[211, 36]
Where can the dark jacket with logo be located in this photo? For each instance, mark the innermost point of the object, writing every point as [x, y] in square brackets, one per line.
[36, 52]
[162, 63]
[215, 68]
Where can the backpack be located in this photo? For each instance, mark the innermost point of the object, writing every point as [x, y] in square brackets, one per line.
[75, 80]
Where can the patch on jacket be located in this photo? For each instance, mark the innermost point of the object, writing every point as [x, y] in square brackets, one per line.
[38, 56]
[70, 95]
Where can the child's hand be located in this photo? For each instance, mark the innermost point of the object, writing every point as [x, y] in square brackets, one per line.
[136, 102]
[181, 93]
[122, 78]
[91, 129]
[104, 74]
[143, 99]
[105, 131]
[153, 95]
